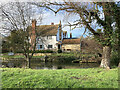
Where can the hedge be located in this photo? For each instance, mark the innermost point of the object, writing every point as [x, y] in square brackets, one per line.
[38, 51]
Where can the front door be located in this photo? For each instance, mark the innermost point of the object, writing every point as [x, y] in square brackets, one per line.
[59, 46]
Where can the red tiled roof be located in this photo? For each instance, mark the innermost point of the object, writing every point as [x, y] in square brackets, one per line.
[45, 30]
[71, 41]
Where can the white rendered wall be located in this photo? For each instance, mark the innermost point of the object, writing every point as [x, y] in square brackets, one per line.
[46, 41]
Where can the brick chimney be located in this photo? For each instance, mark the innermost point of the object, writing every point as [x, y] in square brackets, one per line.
[33, 34]
[70, 35]
[65, 33]
[60, 31]
[33, 26]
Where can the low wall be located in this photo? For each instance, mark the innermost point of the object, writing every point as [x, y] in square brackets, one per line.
[70, 47]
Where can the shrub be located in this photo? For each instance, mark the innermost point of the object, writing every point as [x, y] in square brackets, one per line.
[59, 51]
[5, 50]
[19, 52]
[43, 51]
[61, 58]
[115, 58]
[38, 51]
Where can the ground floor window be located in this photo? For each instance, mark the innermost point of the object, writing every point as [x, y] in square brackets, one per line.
[40, 47]
[50, 46]
[59, 46]
[68, 49]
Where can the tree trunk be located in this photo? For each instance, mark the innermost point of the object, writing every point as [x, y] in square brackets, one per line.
[105, 63]
[28, 63]
[119, 65]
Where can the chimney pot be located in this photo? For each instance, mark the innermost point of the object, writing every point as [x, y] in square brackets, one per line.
[52, 23]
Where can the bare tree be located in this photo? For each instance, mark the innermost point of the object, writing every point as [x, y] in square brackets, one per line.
[18, 17]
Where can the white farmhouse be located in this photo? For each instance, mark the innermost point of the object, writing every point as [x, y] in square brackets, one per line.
[49, 36]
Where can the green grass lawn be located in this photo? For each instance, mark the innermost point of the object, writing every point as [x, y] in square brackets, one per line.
[62, 78]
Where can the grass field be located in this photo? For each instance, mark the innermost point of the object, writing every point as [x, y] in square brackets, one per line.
[62, 78]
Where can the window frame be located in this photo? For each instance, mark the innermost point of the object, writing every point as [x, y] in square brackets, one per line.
[50, 47]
